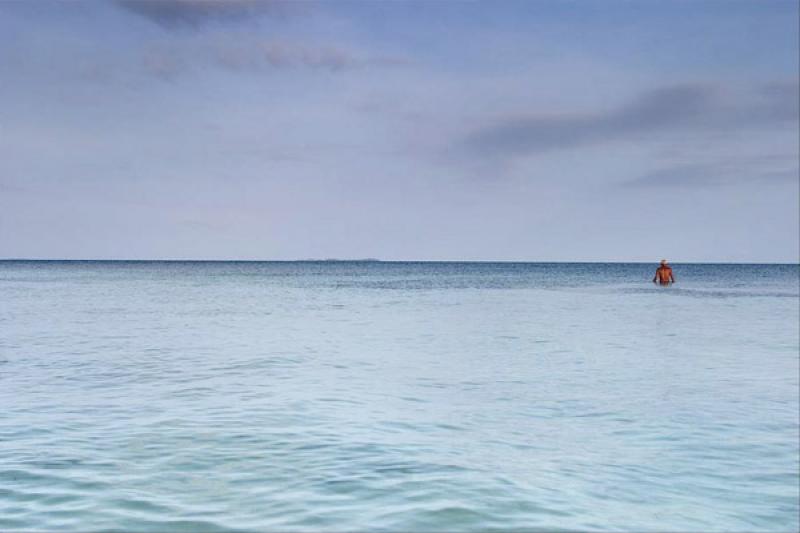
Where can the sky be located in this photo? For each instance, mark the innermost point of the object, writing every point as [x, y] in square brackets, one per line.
[571, 130]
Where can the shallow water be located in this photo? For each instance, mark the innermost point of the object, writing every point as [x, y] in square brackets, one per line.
[397, 396]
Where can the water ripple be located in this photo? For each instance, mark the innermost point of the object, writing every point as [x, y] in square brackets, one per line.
[399, 397]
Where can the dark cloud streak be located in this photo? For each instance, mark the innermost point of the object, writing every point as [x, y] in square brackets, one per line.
[714, 175]
[168, 61]
[277, 54]
[678, 108]
[174, 14]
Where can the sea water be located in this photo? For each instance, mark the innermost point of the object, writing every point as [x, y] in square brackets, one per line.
[354, 396]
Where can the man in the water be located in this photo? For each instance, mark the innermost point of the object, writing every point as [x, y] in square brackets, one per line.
[664, 274]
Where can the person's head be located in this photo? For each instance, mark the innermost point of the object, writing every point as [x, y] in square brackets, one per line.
[663, 262]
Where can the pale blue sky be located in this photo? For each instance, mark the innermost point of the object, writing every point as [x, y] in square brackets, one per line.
[532, 130]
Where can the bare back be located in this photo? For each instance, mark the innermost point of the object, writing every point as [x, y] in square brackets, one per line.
[664, 275]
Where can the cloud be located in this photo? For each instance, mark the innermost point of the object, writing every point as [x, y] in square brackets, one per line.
[278, 54]
[11, 188]
[174, 14]
[686, 108]
[169, 60]
[71, 55]
[780, 101]
[717, 174]
[233, 49]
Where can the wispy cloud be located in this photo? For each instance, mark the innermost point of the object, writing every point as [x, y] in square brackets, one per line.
[168, 60]
[779, 101]
[173, 14]
[689, 107]
[731, 172]
[11, 188]
[233, 47]
[283, 54]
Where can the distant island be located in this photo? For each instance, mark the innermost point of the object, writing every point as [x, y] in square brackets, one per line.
[334, 260]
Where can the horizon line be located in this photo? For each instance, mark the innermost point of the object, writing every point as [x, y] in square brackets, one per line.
[373, 260]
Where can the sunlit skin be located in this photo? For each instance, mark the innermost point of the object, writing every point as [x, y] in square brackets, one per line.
[664, 274]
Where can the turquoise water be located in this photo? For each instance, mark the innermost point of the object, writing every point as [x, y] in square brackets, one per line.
[397, 396]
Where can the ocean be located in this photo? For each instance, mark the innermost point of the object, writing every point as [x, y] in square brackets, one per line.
[383, 396]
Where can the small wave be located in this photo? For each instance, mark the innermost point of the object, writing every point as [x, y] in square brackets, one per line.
[707, 293]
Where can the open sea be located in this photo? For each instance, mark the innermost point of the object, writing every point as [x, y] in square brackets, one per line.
[375, 396]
